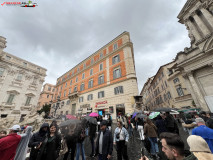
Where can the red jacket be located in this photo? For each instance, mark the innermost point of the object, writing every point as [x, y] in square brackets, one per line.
[8, 146]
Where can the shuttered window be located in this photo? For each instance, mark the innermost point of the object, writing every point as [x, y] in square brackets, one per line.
[101, 79]
[90, 84]
[101, 67]
[10, 99]
[90, 97]
[28, 101]
[101, 94]
[91, 71]
[81, 99]
[82, 87]
[117, 73]
[116, 59]
[118, 90]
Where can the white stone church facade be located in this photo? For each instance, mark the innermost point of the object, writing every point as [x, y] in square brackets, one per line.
[20, 84]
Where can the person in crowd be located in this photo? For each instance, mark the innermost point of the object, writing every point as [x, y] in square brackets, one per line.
[130, 127]
[140, 123]
[203, 116]
[160, 124]
[199, 147]
[21, 150]
[121, 137]
[9, 144]
[70, 141]
[104, 143]
[204, 131]
[171, 124]
[173, 147]
[150, 130]
[80, 144]
[109, 124]
[51, 146]
[37, 139]
[3, 134]
[209, 123]
[92, 132]
[189, 124]
[99, 120]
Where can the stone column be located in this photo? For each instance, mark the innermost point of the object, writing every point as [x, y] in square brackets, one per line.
[191, 28]
[203, 28]
[197, 92]
[207, 15]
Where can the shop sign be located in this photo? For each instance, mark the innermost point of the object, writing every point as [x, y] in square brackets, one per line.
[98, 103]
[85, 106]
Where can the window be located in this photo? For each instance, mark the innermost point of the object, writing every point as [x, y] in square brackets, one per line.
[101, 94]
[65, 93]
[49, 88]
[10, 99]
[48, 96]
[91, 71]
[117, 73]
[101, 55]
[90, 84]
[70, 82]
[65, 84]
[69, 90]
[75, 89]
[76, 80]
[92, 60]
[61, 87]
[90, 97]
[115, 46]
[101, 67]
[82, 87]
[53, 90]
[84, 65]
[83, 75]
[81, 99]
[176, 80]
[78, 69]
[1, 71]
[118, 90]
[19, 77]
[25, 64]
[68, 102]
[28, 101]
[101, 79]
[116, 59]
[180, 91]
[169, 95]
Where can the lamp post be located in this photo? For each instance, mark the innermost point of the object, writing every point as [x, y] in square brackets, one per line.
[57, 104]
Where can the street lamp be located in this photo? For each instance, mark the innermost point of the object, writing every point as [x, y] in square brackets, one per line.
[57, 104]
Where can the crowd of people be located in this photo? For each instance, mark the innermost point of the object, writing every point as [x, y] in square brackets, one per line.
[159, 136]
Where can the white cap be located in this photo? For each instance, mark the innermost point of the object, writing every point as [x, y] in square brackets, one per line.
[15, 128]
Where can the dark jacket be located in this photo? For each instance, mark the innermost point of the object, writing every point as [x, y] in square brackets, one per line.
[52, 148]
[92, 130]
[161, 125]
[170, 121]
[36, 139]
[107, 147]
[140, 122]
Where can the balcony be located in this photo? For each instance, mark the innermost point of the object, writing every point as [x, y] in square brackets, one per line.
[7, 106]
[28, 108]
[183, 98]
[73, 95]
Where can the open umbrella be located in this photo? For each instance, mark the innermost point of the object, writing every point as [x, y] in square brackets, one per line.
[69, 116]
[140, 115]
[163, 109]
[69, 122]
[93, 114]
[134, 115]
[87, 118]
[93, 121]
[154, 115]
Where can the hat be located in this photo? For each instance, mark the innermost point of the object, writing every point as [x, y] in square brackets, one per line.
[103, 123]
[199, 120]
[15, 128]
[197, 144]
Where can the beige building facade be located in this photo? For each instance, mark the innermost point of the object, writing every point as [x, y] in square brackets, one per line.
[196, 62]
[166, 89]
[47, 95]
[105, 82]
[20, 84]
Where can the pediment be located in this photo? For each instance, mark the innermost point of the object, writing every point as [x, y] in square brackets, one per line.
[13, 92]
[209, 44]
[186, 7]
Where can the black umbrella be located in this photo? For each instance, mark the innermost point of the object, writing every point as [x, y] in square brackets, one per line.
[140, 112]
[163, 109]
[87, 118]
[71, 121]
[92, 120]
[140, 115]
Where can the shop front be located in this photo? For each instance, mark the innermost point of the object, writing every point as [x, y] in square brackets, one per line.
[120, 109]
[101, 108]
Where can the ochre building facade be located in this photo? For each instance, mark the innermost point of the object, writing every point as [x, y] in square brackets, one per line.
[105, 82]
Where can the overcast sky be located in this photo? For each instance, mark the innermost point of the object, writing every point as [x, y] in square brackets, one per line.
[57, 35]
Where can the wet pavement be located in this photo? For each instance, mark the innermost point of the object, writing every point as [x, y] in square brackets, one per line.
[133, 147]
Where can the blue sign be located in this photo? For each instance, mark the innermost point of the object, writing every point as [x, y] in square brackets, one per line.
[100, 113]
